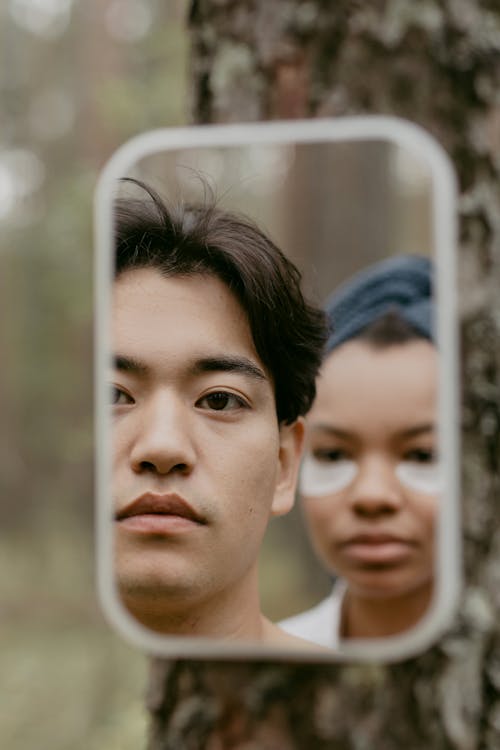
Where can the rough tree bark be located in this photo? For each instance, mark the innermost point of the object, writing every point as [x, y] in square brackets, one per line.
[436, 62]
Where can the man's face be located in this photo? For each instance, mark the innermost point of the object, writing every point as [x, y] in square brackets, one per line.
[199, 460]
[371, 488]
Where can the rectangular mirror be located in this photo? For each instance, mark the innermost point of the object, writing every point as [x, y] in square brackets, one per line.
[206, 362]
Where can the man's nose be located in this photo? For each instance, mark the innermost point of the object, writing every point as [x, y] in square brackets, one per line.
[163, 441]
[375, 490]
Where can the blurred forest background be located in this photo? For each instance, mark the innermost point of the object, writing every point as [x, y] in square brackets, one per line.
[76, 80]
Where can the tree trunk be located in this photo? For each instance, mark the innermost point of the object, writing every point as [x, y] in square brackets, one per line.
[436, 63]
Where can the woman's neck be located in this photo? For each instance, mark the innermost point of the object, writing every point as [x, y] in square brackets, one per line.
[370, 617]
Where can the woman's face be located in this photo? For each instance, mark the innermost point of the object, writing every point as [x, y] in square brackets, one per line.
[370, 478]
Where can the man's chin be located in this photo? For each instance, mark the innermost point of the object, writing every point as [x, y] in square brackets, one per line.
[159, 590]
[165, 608]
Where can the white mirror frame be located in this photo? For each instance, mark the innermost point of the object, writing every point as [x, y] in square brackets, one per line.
[444, 217]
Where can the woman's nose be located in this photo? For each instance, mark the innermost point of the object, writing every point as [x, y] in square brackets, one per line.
[375, 490]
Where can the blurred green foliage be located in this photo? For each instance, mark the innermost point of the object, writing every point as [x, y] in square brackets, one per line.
[76, 80]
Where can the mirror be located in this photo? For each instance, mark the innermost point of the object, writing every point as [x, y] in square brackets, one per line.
[199, 549]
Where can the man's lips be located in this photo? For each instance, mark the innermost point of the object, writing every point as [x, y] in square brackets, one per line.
[159, 514]
[377, 548]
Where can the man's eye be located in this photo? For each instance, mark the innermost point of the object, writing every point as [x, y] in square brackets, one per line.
[119, 397]
[221, 401]
[421, 456]
[330, 455]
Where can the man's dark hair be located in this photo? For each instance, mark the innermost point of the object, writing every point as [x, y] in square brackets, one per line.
[289, 333]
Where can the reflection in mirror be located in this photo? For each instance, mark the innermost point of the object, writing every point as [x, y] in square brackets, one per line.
[214, 353]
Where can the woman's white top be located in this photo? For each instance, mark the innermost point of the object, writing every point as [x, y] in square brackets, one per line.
[320, 624]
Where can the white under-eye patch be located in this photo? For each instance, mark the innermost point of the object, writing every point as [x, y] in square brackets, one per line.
[324, 477]
[421, 477]
[321, 477]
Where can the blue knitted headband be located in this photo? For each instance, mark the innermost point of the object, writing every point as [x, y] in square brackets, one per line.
[401, 284]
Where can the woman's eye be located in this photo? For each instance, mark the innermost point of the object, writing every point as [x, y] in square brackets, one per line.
[421, 456]
[221, 401]
[330, 455]
[119, 397]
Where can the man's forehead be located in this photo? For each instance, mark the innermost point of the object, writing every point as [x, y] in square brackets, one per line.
[190, 323]
[148, 290]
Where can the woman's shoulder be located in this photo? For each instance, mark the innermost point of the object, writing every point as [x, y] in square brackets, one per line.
[321, 623]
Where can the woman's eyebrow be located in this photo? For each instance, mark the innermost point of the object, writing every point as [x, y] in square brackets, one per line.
[417, 430]
[332, 430]
[338, 432]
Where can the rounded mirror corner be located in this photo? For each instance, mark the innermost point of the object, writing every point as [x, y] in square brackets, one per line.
[339, 197]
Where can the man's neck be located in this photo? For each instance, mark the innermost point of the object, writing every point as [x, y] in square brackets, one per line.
[369, 617]
[234, 613]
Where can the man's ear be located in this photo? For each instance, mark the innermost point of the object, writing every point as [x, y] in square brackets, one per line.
[291, 443]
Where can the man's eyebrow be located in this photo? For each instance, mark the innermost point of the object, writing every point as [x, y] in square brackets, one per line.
[129, 364]
[220, 363]
[229, 364]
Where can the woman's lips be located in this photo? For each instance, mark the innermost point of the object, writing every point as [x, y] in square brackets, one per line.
[377, 549]
[163, 514]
